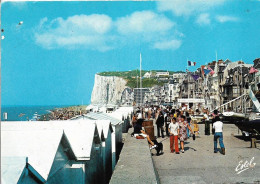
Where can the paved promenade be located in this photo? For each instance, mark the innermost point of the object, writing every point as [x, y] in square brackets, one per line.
[135, 164]
[198, 164]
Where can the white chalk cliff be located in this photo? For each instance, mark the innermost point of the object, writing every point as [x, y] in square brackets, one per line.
[107, 89]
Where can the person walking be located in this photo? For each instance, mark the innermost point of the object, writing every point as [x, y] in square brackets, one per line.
[174, 132]
[206, 121]
[214, 115]
[183, 125]
[218, 127]
[146, 112]
[188, 121]
[159, 123]
[167, 120]
[195, 128]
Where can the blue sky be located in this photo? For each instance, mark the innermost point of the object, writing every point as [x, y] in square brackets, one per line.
[51, 59]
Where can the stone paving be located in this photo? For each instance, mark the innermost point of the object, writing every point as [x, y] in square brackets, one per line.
[135, 165]
[198, 164]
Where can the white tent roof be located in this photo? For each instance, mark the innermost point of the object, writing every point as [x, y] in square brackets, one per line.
[79, 133]
[11, 169]
[127, 109]
[117, 115]
[40, 146]
[105, 126]
[100, 132]
[90, 107]
[103, 116]
[80, 136]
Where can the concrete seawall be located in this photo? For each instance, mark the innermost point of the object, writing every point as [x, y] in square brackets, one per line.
[135, 164]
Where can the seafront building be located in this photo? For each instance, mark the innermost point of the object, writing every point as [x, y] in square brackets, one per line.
[223, 87]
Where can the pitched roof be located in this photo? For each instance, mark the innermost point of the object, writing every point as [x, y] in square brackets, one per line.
[117, 115]
[80, 134]
[227, 61]
[105, 126]
[126, 109]
[12, 168]
[122, 112]
[256, 63]
[102, 116]
[40, 146]
[101, 132]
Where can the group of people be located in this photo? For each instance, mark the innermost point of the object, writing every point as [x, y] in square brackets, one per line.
[176, 123]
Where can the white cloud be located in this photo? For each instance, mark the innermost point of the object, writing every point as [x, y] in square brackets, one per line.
[18, 4]
[149, 27]
[225, 18]
[42, 22]
[89, 31]
[143, 22]
[203, 19]
[187, 7]
[165, 45]
[100, 32]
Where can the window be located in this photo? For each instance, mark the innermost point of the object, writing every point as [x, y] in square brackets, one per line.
[235, 90]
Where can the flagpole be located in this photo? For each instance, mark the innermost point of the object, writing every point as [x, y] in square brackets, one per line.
[188, 79]
[137, 78]
[193, 95]
[141, 78]
[218, 93]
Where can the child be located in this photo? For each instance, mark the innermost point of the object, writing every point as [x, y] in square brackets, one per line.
[195, 128]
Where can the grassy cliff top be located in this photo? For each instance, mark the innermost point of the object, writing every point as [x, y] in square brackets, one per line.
[133, 80]
[133, 73]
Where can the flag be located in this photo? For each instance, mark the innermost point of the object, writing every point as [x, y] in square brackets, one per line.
[253, 70]
[206, 71]
[190, 63]
[211, 71]
[195, 77]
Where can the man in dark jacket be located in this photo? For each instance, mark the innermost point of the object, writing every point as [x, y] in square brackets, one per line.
[160, 123]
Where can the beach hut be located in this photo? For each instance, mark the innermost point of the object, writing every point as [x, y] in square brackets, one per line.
[126, 114]
[120, 116]
[48, 152]
[13, 169]
[105, 131]
[106, 128]
[85, 165]
[116, 135]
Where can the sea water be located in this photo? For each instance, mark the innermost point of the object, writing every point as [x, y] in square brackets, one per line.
[13, 112]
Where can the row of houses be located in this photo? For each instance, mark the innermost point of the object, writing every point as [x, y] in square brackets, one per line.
[81, 150]
[228, 81]
[157, 74]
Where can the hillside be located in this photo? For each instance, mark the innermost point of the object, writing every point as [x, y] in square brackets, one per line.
[131, 77]
[133, 73]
